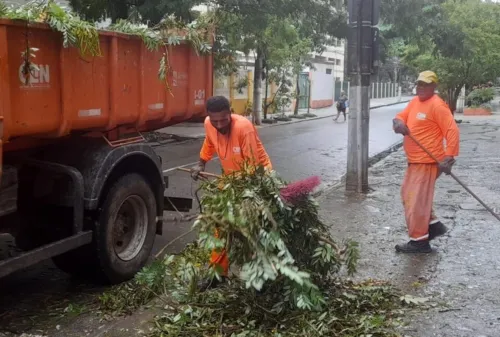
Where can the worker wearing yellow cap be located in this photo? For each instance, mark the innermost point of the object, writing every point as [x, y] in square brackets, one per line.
[428, 119]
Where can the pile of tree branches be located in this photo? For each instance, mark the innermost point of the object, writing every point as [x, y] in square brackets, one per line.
[288, 282]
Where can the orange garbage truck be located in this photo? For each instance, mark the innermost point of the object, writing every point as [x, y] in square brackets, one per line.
[79, 183]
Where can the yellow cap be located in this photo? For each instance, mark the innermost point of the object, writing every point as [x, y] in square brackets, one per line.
[427, 77]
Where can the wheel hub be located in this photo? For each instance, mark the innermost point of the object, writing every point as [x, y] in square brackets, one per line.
[130, 228]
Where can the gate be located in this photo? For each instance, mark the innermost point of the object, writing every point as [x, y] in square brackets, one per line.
[304, 85]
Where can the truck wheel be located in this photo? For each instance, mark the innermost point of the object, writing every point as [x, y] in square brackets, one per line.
[126, 228]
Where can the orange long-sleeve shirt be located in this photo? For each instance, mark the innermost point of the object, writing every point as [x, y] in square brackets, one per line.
[241, 144]
[430, 122]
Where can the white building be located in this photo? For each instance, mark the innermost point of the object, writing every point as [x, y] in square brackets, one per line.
[327, 76]
[334, 58]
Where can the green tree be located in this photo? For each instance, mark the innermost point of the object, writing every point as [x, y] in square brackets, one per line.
[150, 11]
[459, 40]
[284, 55]
[318, 21]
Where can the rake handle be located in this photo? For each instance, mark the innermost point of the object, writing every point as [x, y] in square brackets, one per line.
[203, 174]
[456, 178]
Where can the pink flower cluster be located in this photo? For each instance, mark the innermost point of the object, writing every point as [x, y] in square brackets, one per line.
[299, 189]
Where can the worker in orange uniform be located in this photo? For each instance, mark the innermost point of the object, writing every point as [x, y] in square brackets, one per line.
[235, 141]
[430, 121]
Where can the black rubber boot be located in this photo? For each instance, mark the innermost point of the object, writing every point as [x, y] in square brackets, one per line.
[437, 229]
[414, 247]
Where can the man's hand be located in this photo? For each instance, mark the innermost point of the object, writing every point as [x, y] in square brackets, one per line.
[195, 171]
[400, 127]
[446, 164]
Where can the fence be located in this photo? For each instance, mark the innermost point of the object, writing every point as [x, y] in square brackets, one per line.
[377, 90]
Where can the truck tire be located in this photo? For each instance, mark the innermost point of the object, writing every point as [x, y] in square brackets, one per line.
[125, 231]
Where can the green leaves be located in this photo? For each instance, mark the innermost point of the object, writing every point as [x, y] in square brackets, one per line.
[3, 8]
[288, 283]
[273, 243]
[480, 96]
[459, 40]
[85, 37]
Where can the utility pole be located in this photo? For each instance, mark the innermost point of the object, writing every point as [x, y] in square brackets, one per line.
[363, 60]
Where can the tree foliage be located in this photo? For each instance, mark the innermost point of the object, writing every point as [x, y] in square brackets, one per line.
[284, 57]
[316, 22]
[84, 35]
[290, 282]
[150, 11]
[458, 39]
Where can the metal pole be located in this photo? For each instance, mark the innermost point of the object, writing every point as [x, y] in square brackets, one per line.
[309, 98]
[359, 121]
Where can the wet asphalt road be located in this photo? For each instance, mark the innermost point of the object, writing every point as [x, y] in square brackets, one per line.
[299, 150]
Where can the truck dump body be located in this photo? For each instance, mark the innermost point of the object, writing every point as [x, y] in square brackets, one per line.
[70, 148]
[70, 92]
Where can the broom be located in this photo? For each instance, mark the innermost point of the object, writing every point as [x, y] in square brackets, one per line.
[456, 178]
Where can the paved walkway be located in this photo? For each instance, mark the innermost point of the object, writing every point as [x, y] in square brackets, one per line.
[461, 278]
[195, 130]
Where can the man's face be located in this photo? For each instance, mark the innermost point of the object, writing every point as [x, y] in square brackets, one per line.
[221, 121]
[425, 90]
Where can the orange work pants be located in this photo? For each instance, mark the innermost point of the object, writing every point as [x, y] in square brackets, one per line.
[417, 194]
[219, 258]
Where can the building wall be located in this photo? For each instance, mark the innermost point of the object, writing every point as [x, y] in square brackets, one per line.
[334, 54]
[322, 81]
[241, 99]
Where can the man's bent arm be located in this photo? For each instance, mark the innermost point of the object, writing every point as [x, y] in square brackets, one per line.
[403, 115]
[449, 128]
[207, 151]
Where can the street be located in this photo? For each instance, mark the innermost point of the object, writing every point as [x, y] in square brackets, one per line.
[298, 150]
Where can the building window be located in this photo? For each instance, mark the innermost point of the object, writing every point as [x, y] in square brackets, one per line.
[337, 79]
[328, 71]
[337, 62]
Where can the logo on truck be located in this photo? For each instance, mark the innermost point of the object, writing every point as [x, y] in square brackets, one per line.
[39, 76]
[199, 97]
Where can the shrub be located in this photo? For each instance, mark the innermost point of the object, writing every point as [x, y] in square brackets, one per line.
[486, 106]
[480, 96]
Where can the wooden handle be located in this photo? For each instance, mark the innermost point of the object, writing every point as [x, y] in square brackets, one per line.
[489, 209]
[423, 148]
[203, 174]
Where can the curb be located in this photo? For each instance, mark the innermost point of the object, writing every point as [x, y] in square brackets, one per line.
[325, 189]
[185, 138]
[327, 116]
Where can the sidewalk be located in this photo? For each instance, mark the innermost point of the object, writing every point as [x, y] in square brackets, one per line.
[196, 130]
[461, 278]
